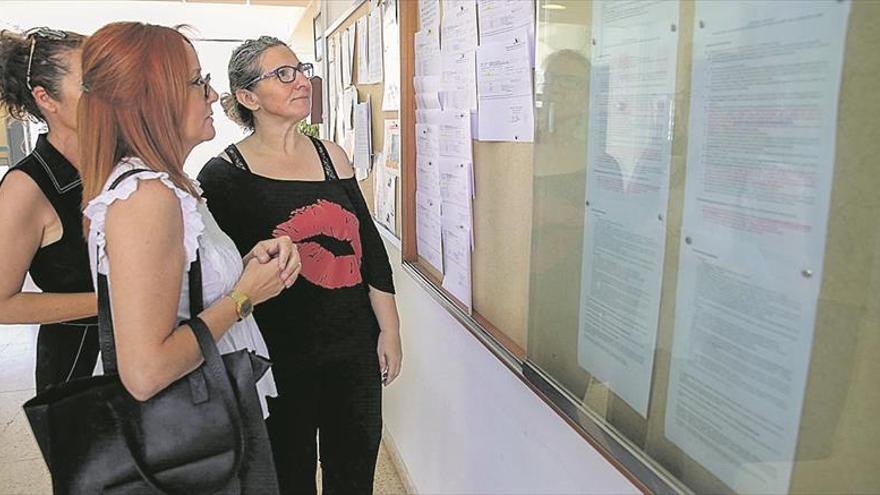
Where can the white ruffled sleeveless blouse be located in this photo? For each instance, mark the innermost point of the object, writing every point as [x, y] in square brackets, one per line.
[220, 260]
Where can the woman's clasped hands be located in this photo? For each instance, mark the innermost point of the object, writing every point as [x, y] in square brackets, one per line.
[272, 265]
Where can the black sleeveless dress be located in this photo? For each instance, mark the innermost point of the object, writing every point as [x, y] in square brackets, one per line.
[322, 332]
[64, 350]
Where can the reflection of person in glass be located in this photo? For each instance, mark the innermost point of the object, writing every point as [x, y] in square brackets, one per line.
[559, 196]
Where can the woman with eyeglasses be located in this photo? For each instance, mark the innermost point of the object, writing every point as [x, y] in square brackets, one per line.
[145, 106]
[40, 216]
[334, 335]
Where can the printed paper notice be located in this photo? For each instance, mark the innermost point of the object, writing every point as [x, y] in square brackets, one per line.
[760, 161]
[363, 49]
[459, 28]
[391, 57]
[376, 49]
[429, 230]
[632, 90]
[504, 86]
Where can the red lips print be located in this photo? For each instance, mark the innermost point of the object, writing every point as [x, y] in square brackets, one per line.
[320, 266]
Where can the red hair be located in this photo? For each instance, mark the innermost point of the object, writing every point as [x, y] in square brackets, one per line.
[135, 82]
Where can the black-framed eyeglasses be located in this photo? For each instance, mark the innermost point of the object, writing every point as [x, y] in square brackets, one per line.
[286, 73]
[205, 82]
[33, 34]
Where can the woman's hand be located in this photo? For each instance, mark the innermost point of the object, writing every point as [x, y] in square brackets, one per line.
[390, 355]
[282, 249]
[260, 281]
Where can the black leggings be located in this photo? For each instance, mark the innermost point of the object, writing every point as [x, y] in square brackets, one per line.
[343, 403]
[58, 346]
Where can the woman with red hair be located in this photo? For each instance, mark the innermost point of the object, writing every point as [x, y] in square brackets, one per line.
[145, 106]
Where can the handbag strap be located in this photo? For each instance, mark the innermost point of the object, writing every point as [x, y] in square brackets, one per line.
[105, 317]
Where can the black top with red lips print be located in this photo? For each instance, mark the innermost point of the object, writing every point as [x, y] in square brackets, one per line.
[326, 315]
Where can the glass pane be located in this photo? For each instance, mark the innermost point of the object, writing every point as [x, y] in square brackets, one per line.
[705, 262]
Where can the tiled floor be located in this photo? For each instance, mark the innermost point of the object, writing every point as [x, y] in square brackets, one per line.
[22, 470]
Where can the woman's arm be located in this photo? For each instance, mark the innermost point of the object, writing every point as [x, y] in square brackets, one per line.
[145, 247]
[389, 349]
[377, 272]
[23, 210]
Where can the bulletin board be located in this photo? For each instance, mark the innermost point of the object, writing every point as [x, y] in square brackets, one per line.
[501, 215]
[373, 92]
[837, 435]
[837, 428]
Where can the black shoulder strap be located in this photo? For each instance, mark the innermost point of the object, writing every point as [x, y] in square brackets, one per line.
[125, 175]
[105, 317]
[236, 157]
[326, 162]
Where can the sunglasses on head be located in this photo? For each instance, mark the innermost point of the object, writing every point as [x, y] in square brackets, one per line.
[42, 33]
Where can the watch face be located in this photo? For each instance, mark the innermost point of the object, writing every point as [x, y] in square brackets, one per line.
[246, 309]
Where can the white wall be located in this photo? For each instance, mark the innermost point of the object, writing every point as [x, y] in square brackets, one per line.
[464, 424]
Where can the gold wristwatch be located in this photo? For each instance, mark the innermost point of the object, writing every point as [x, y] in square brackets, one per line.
[243, 305]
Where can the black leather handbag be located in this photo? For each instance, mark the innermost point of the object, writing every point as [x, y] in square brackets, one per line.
[202, 434]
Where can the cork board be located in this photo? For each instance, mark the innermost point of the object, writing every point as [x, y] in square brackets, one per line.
[501, 209]
[373, 92]
[836, 451]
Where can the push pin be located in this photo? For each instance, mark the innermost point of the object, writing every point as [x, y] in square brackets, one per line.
[660, 217]
[688, 240]
[672, 28]
[702, 24]
[807, 273]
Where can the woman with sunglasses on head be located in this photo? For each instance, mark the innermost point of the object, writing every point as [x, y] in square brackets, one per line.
[145, 106]
[40, 215]
[334, 335]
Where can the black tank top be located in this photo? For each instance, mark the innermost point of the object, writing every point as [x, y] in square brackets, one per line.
[62, 266]
[326, 316]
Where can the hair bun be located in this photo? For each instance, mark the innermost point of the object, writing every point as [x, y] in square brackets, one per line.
[230, 108]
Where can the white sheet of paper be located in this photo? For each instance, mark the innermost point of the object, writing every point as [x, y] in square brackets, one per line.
[427, 101]
[363, 145]
[340, 63]
[429, 13]
[363, 50]
[349, 100]
[340, 120]
[427, 84]
[456, 256]
[459, 27]
[385, 196]
[427, 42]
[504, 86]
[378, 172]
[632, 91]
[763, 112]
[455, 134]
[427, 160]
[348, 46]
[455, 187]
[333, 96]
[459, 79]
[376, 47]
[391, 57]
[501, 17]
[429, 229]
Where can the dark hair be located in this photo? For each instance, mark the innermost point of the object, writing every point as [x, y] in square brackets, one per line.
[244, 67]
[49, 65]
